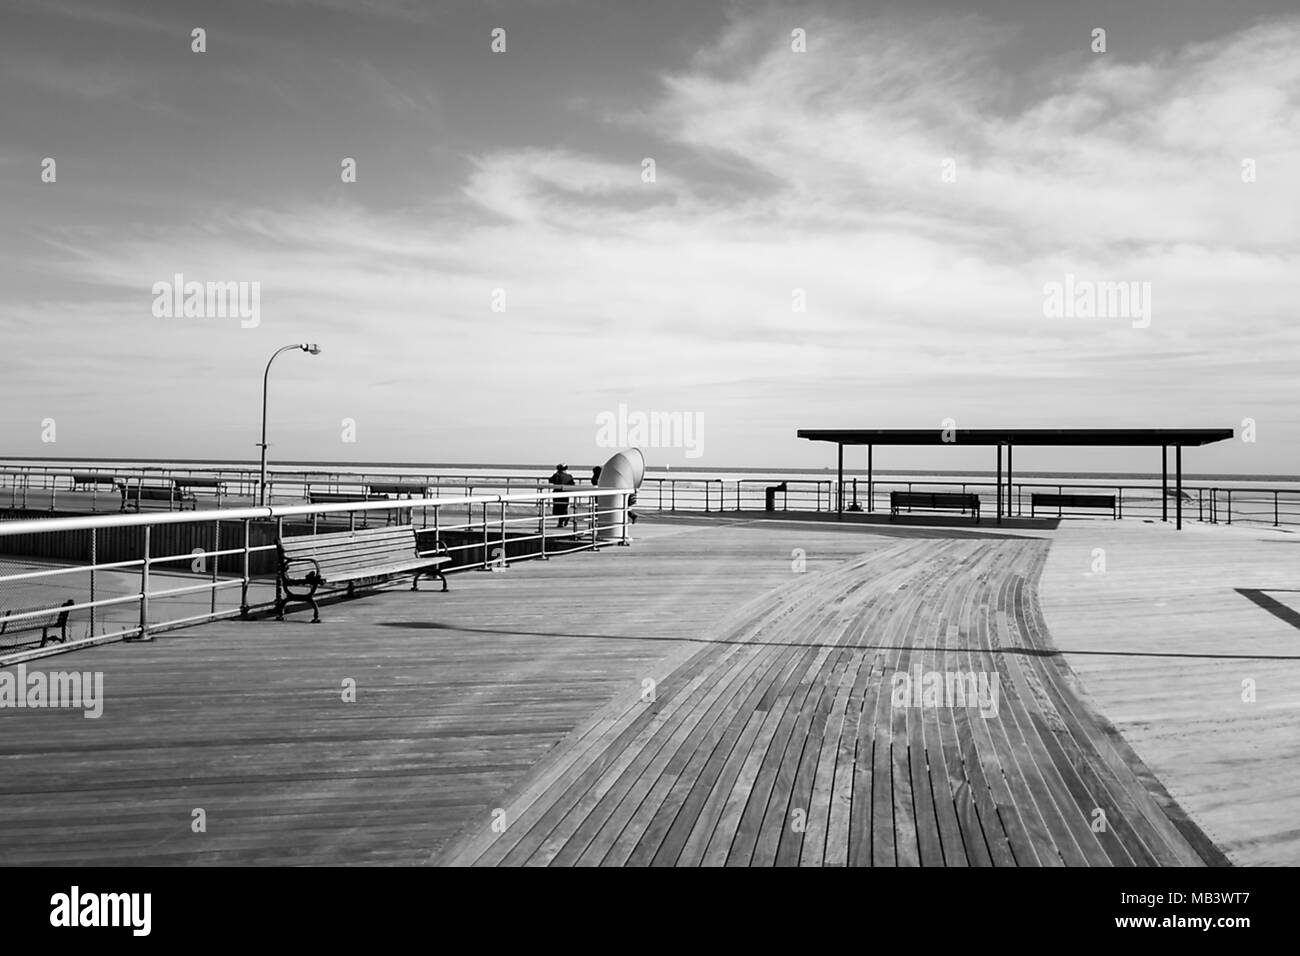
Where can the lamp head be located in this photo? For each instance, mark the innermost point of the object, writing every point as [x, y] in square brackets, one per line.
[313, 348]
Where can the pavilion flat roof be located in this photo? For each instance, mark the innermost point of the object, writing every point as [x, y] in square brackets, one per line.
[1018, 436]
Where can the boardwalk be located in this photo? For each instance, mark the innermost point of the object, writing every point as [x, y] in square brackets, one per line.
[777, 741]
[513, 720]
[1167, 640]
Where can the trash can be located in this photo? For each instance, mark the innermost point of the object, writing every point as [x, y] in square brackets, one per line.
[769, 496]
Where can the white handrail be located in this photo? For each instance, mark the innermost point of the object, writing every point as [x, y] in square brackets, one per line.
[267, 512]
[158, 571]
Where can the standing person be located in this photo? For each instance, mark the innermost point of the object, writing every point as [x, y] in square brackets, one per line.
[561, 481]
[596, 503]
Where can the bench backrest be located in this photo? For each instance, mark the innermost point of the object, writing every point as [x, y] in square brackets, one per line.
[937, 499]
[199, 482]
[54, 617]
[89, 479]
[399, 488]
[1073, 501]
[330, 497]
[154, 492]
[352, 550]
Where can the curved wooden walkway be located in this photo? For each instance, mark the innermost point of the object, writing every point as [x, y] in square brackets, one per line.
[777, 741]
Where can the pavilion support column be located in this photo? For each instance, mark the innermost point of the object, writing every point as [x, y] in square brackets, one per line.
[839, 484]
[1164, 482]
[999, 483]
[1010, 493]
[1178, 487]
[871, 498]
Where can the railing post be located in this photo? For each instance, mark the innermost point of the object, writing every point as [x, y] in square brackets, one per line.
[1275, 512]
[1229, 490]
[1119, 500]
[243, 590]
[144, 588]
[504, 562]
[281, 598]
[94, 560]
[216, 546]
[485, 537]
[626, 506]
[541, 520]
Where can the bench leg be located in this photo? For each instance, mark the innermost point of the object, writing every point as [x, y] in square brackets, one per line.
[281, 599]
[415, 583]
[443, 578]
[315, 611]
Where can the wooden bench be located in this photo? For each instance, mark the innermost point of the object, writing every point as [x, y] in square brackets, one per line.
[82, 480]
[54, 617]
[134, 494]
[348, 559]
[189, 484]
[1061, 502]
[341, 497]
[401, 489]
[334, 498]
[934, 501]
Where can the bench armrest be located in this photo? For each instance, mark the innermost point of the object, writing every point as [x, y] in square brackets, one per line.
[441, 551]
[286, 562]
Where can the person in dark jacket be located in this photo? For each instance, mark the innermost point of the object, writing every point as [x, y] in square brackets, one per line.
[561, 481]
[597, 504]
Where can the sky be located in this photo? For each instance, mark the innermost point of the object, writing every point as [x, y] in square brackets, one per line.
[864, 232]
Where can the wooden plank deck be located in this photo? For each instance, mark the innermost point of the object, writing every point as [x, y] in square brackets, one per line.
[797, 752]
[1163, 640]
[520, 699]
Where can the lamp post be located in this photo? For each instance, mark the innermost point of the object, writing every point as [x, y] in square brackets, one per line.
[266, 378]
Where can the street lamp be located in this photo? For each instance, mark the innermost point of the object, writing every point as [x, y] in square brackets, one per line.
[311, 349]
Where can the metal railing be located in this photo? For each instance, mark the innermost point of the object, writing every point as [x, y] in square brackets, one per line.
[45, 488]
[132, 575]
